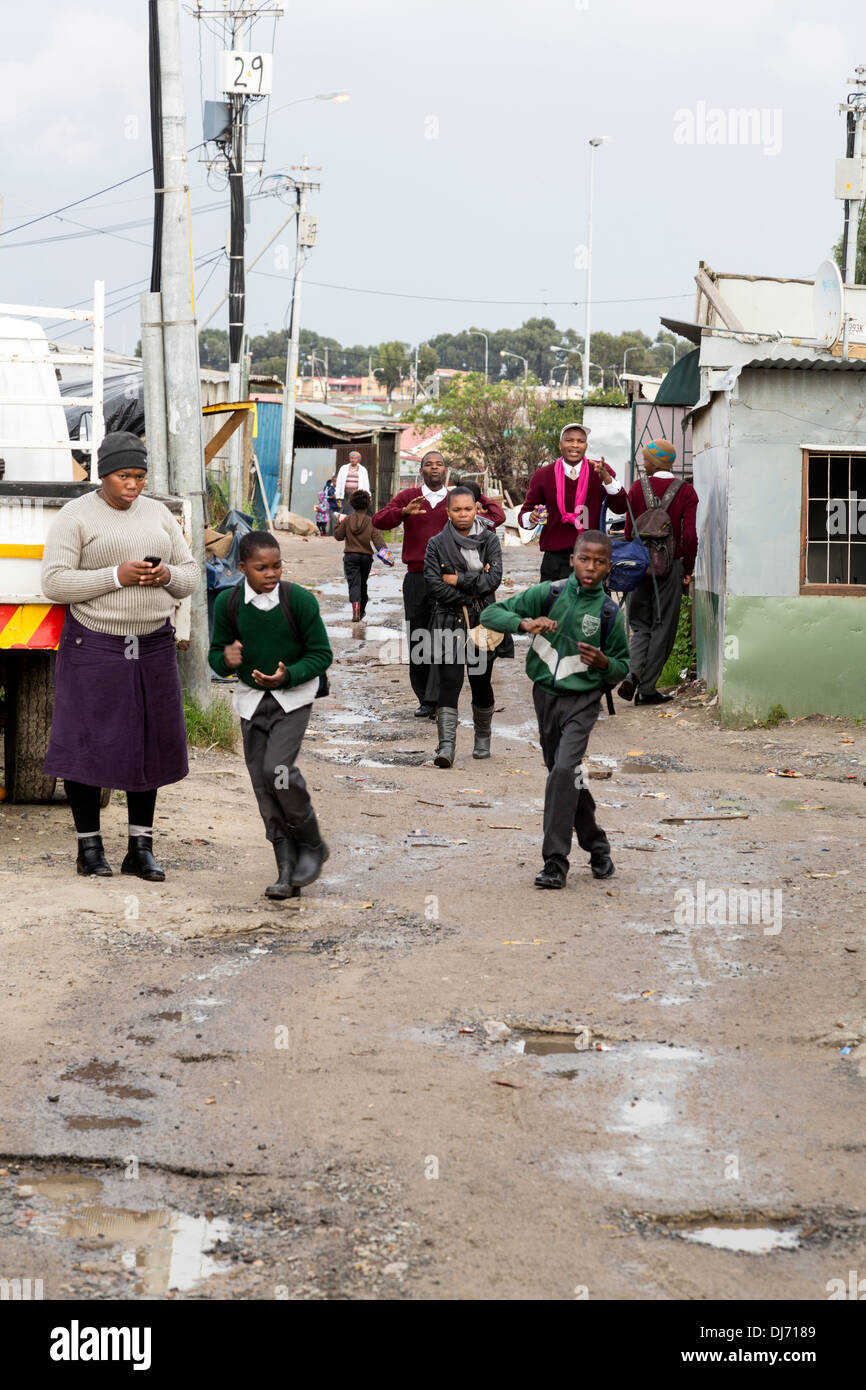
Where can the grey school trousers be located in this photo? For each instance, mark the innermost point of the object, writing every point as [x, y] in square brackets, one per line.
[272, 742]
[651, 641]
[565, 723]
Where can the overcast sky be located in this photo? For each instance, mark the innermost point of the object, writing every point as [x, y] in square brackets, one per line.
[459, 169]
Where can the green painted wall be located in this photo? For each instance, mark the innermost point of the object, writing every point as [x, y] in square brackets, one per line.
[807, 654]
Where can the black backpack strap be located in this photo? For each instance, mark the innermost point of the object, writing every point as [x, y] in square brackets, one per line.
[286, 607]
[233, 608]
[553, 594]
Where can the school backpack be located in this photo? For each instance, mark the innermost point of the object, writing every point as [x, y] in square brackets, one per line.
[655, 528]
[629, 560]
[233, 608]
[609, 610]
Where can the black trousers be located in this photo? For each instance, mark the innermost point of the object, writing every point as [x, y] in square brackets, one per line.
[652, 638]
[272, 742]
[84, 804]
[451, 683]
[565, 723]
[418, 607]
[556, 564]
[357, 571]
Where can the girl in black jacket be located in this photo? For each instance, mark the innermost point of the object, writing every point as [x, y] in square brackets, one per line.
[463, 570]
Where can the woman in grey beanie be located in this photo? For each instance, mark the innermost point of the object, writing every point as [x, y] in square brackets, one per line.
[119, 560]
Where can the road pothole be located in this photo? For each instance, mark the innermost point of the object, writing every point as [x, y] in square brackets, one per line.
[159, 1248]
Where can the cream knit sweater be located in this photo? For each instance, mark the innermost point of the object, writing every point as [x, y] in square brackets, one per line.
[85, 543]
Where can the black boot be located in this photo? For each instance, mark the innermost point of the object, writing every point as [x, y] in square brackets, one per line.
[446, 725]
[284, 853]
[140, 861]
[91, 858]
[312, 852]
[483, 726]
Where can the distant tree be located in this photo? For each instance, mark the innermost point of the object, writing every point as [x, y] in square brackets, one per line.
[428, 361]
[393, 365]
[213, 348]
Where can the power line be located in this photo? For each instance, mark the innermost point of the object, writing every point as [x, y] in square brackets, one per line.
[114, 227]
[452, 299]
[109, 189]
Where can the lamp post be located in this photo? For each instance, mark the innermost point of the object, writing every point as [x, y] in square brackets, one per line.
[477, 333]
[636, 347]
[503, 353]
[672, 347]
[593, 146]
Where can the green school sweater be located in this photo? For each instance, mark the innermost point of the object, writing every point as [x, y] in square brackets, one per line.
[553, 661]
[267, 639]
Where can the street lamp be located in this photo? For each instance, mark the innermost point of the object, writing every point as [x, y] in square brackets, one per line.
[636, 347]
[477, 332]
[320, 96]
[593, 146]
[672, 347]
[503, 353]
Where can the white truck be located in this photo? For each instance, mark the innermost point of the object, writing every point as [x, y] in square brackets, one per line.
[38, 475]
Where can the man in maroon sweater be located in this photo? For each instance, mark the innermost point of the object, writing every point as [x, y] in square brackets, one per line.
[422, 513]
[572, 486]
[653, 636]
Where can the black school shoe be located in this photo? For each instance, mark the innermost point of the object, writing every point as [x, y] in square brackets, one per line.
[425, 712]
[91, 859]
[601, 865]
[551, 876]
[656, 698]
[140, 861]
[628, 687]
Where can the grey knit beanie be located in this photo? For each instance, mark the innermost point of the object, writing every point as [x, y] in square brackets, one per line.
[120, 450]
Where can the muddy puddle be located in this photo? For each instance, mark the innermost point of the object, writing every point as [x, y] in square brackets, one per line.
[745, 1240]
[164, 1249]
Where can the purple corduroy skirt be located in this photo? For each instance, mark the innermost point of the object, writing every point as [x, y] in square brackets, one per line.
[118, 710]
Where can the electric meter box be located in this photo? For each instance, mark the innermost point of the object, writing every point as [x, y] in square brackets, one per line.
[850, 181]
[308, 227]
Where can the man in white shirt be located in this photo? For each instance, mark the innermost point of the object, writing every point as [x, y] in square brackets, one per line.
[566, 497]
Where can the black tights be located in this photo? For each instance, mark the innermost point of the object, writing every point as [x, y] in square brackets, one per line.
[84, 801]
[451, 682]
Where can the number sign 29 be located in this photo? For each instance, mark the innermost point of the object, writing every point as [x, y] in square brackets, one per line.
[246, 74]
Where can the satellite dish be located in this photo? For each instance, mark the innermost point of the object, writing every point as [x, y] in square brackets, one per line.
[828, 304]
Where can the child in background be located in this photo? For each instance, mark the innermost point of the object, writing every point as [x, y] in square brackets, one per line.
[323, 511]
[579, 646]
[362, 540]
[274, 709]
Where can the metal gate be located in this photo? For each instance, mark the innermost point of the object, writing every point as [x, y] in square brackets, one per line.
[312, 469]
[651, 421]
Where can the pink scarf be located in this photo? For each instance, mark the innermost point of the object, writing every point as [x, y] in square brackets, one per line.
[580, 497]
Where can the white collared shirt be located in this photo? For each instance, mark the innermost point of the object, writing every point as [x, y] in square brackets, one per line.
[245, 698]
[434, 498]
[662, 473]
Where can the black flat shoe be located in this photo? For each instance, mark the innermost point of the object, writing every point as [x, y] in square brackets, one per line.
[91, 859]
[627, 689]
[601, 865]
[140, 861]
[656, 698]
[551, 876]
[425, 712]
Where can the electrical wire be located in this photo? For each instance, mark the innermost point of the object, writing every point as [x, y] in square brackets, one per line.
[451, 299]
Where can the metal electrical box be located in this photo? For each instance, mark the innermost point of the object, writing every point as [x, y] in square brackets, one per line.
[850, 180]
[308, 227]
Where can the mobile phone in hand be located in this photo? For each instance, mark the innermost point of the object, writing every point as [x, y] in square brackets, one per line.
[154, 560]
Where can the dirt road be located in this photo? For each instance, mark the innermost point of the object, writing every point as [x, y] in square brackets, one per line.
[208, 1095]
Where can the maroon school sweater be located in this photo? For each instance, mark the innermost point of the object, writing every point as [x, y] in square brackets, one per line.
[682, 512]
[557, 534]
[418, 529]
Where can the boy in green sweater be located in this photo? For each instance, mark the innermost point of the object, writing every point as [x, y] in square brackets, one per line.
[271, 635]
[569, 674]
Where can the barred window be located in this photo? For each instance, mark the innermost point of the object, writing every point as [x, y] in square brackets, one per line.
[833, 552]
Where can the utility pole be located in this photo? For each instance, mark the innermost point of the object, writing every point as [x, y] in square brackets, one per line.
[850, 174]
[327, 370]
[237, 275]
[593, 146]
[306, 237]
[180, 340]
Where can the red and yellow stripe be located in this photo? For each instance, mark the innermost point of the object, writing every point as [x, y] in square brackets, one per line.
[33, 625]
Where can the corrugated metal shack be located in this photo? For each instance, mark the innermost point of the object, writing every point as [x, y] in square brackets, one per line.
[779, 440]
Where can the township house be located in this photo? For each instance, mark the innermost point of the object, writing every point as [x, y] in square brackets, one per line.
[779, 464]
